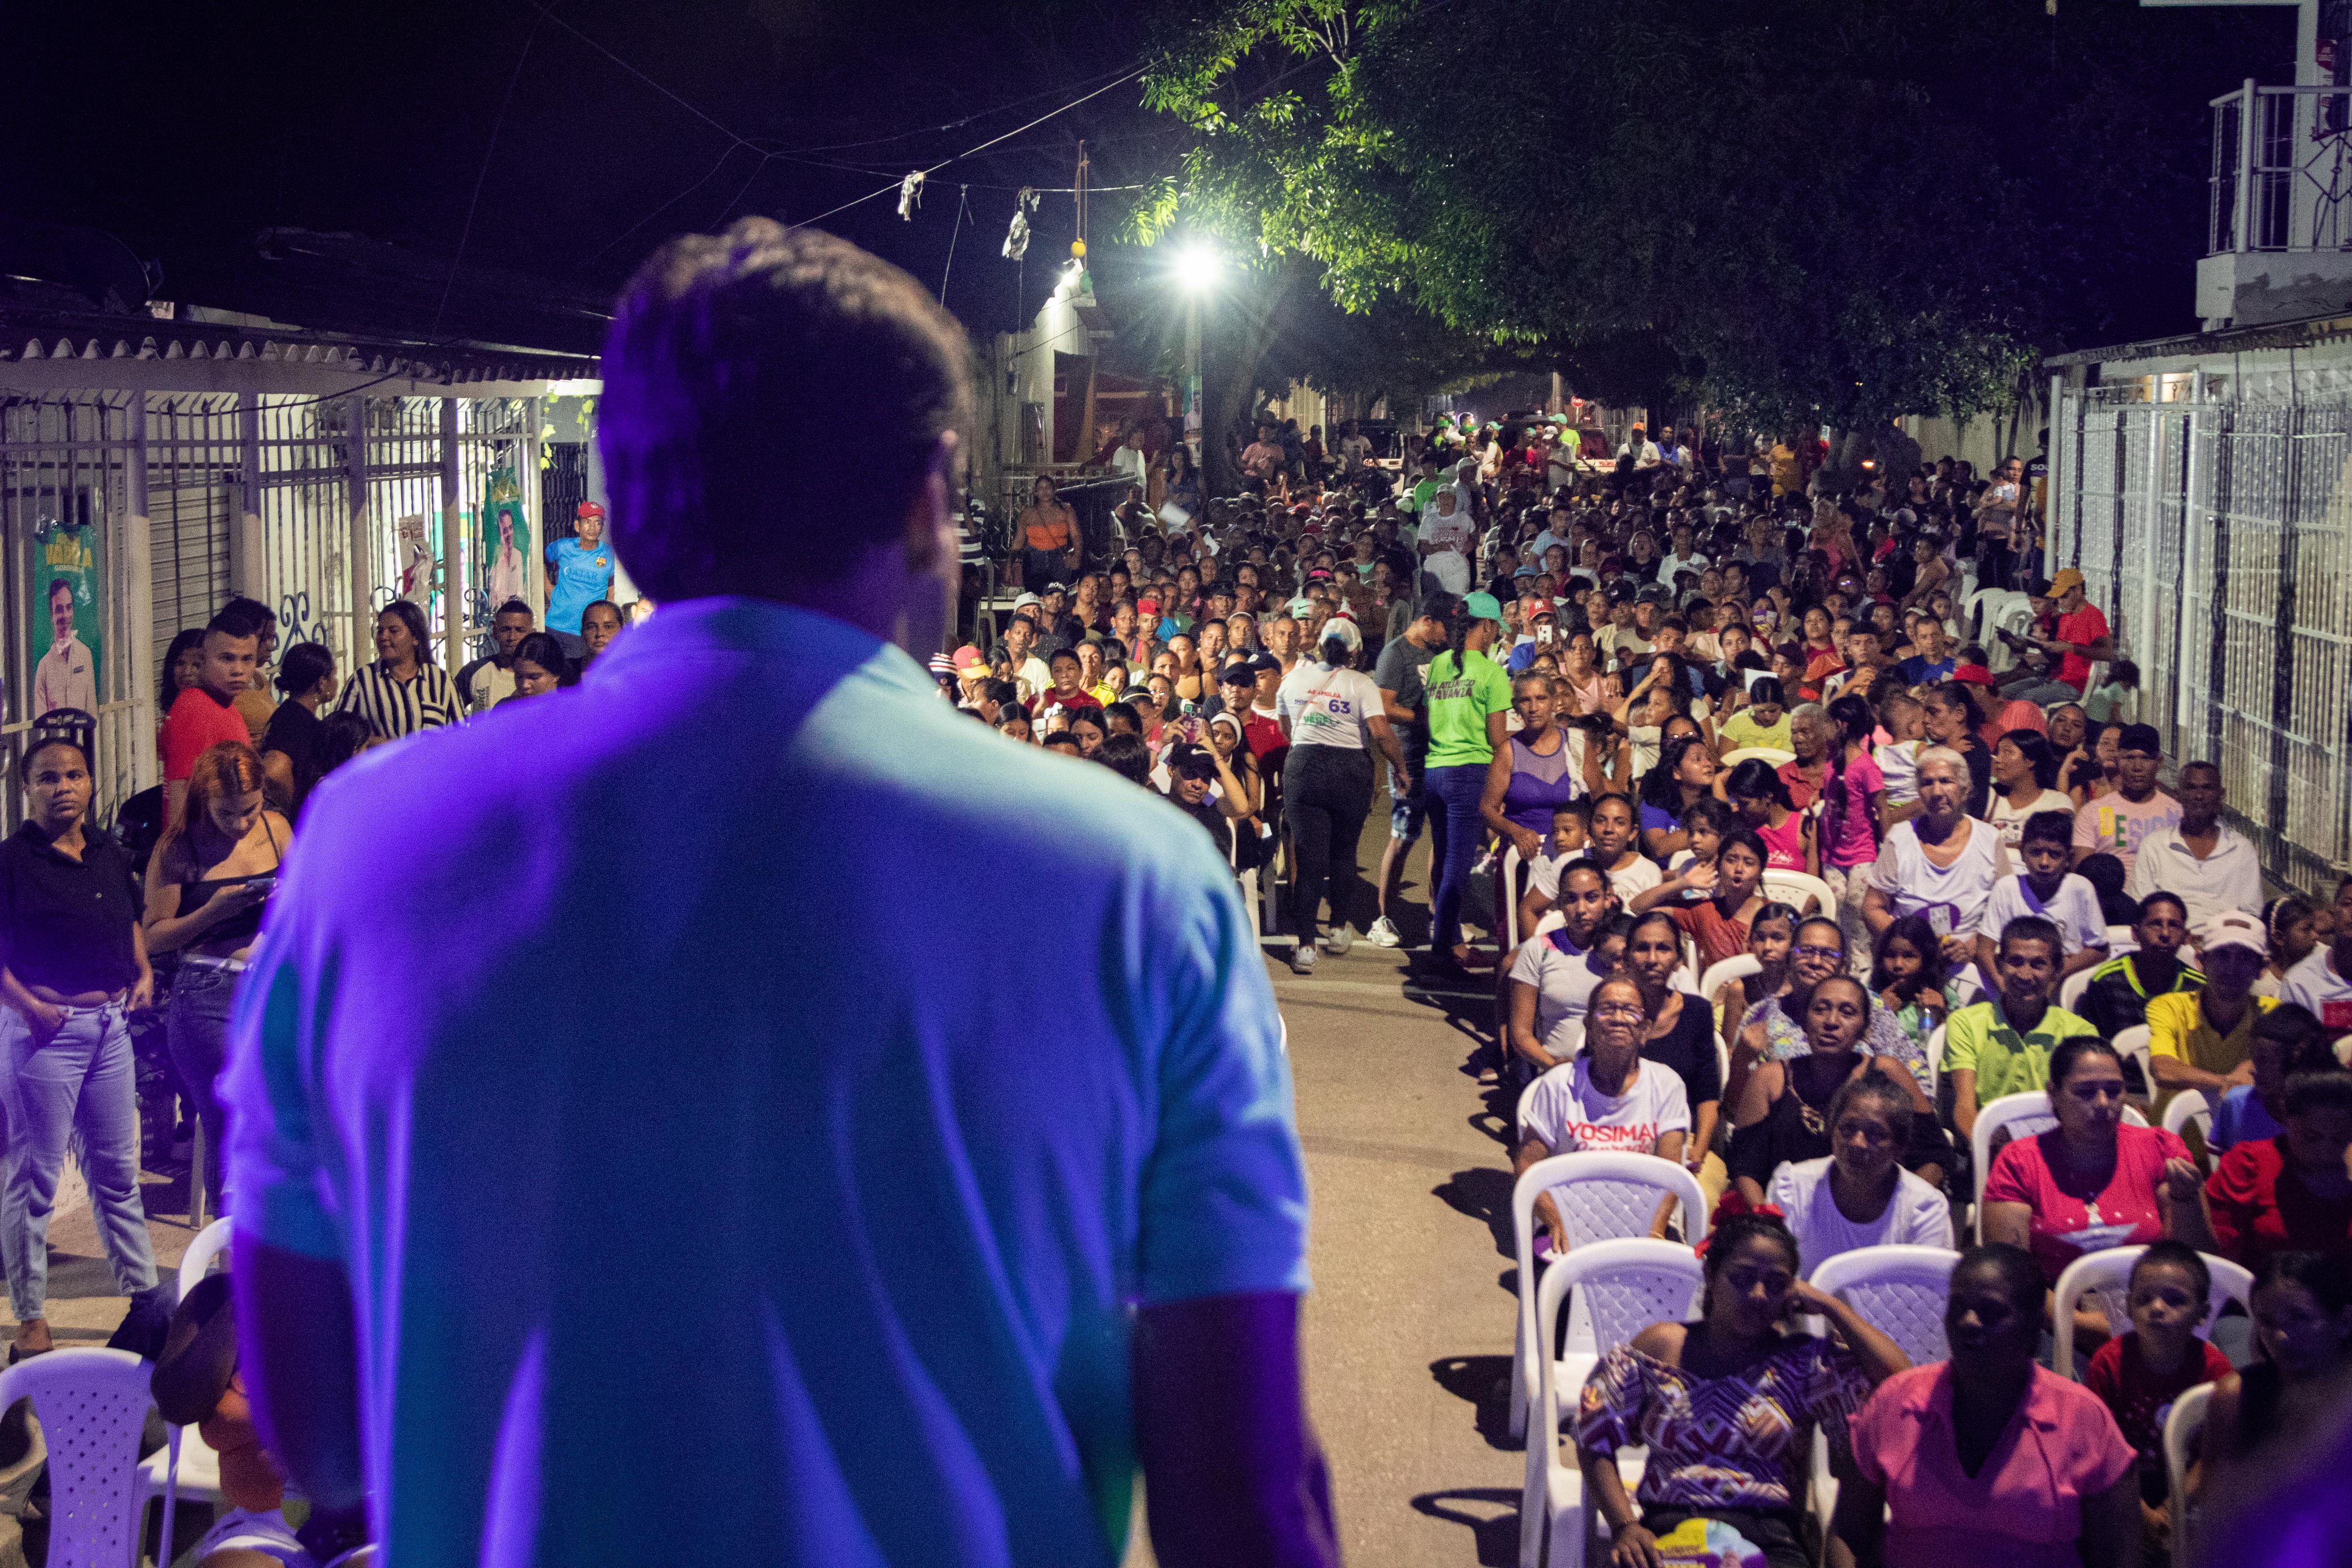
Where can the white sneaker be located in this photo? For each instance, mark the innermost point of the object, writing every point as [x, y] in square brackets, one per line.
[1338, 940]
[1383, 933]
[1302, 958]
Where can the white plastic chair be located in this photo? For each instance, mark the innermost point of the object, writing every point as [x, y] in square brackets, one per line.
[93, 1404]
[1794, 887]
[2131, 1044]
[2182, 1427]
[1738, 967]
[2106, 1274]
[2122, 939]
[1510, 874]
[1900, 1290]
[1771, 754]
[1935, 1049]
[185, 1466]
[2189, 1105]
[2071, 989]
[2023, 1115]
[1621, 1287]
[1601, 1198]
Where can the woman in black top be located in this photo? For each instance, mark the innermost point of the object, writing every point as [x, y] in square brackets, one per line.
[293, 748]
[206, 888]
[1783, 1114]
[1681, 1035]
[75, 965]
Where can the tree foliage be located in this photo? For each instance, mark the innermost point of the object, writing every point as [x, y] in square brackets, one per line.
[1802, 209]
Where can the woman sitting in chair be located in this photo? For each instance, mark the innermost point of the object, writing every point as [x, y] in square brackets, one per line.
[1989, 1459]
[2091, 1182]
[1774, 1028]
[1608, 1098]
[1727, 1404]
[1784, 1110]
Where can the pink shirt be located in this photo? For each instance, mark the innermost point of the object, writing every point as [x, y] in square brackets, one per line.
[2068, 1223]
[1856, 844]
[2024, 1509]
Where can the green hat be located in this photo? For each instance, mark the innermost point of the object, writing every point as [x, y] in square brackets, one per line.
[1482, 607]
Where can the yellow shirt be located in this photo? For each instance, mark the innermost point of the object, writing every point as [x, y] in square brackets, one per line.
[2177, 1029]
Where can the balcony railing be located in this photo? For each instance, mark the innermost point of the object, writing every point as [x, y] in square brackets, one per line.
[2281, 168]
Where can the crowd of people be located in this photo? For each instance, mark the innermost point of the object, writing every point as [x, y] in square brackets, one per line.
[1703, 703]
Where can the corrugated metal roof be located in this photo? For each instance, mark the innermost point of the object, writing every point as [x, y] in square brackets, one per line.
[2230, 340]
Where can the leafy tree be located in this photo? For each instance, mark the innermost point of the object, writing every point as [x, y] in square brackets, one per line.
[1807, 210]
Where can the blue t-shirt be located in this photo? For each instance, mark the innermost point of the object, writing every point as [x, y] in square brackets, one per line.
[2239, 1118]
[582, 577]
[895, 1208]
[1917, 672]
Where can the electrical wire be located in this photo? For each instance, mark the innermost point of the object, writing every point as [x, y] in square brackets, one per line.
[983, 147]
[963, 204]
[958, 124]
[497, 124]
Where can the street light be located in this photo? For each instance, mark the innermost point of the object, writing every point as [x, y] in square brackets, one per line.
[1198, 269]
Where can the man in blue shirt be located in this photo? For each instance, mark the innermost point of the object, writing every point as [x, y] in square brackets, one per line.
[762, 1209]
[579, 573]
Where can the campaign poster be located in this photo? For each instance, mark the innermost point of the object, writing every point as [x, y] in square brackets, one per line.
[506, 541]
[66, 578]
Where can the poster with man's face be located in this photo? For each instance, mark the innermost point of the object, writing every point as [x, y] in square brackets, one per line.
[66, 578]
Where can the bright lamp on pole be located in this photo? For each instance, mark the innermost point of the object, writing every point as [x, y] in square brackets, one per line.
[1197, 268]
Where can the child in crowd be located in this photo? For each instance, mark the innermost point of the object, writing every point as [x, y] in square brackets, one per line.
[1901, 724]
[2139, 1375]
[2303, 1326]
[1907, 975]
[2047, 888]
[1568, 829]
[2106, 877]
[1707, 823]
[2118, 700]
[2286, 1041]
[2295, 930]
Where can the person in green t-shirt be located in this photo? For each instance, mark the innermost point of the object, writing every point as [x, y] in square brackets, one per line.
[1469, 705]
[2002, 1046]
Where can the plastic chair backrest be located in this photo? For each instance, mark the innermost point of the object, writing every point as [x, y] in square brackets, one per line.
[1621, 1287]
[2071, 989]
[92, 1406]
[1899, 1290]
[197, 1260]
[1771, 754]
[1553, 920]
[1601, 1198]
[2121, 939]
[2181, 1431]
[1511, 864]
[1738, 967]
[2131, 1044]
[1935, 1049]
[2189, 1105]
[2024, 1115]
[2107, 1275]
[1794, 887]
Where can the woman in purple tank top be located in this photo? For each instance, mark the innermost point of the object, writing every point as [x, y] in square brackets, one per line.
[1533, 775]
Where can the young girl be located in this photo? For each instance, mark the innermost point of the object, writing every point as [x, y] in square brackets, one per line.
[1707, 823]
[2303, 1326]
[2117, 701]
[2293, 932]
[1772, 932]
[1718, 922]
[1907, 975]
[1854, 791]
[1759, 797]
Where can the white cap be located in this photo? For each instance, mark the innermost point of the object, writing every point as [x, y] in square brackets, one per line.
[2231, 929]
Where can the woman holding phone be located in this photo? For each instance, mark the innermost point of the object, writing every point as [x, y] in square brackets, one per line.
[205, 886]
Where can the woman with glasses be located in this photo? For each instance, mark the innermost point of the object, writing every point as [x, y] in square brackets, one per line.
[1783, 1114]
[1607, 1098]
[2092, 1182]
[1774, 1028]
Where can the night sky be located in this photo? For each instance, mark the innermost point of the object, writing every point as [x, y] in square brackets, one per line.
[187, 129]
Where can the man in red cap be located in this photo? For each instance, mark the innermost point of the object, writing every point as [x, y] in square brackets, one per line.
[579, 573]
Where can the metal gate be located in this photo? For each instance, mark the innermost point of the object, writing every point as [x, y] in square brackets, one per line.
[2217, 537]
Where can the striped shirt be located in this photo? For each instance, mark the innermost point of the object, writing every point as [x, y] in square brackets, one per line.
[426, 700]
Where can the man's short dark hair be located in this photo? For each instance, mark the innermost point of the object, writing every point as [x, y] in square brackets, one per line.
[514, 607]
[1127, 756]
[733, 362]
[231, 622]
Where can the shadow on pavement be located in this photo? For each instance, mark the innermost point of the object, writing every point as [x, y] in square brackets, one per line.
[1485, 1381]
[1483, 1195]
[1492, 1515]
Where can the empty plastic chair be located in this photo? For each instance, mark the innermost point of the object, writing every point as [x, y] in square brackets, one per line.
[92, 1406]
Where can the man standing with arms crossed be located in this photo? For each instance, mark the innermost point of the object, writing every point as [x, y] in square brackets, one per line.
[897, 1216]
[1401, 675]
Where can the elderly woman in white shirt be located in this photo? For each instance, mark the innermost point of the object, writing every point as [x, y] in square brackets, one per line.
[1940, 864]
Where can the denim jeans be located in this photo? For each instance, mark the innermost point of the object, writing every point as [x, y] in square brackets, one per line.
[196, 1021]
[1455, 829]
[82, 1081]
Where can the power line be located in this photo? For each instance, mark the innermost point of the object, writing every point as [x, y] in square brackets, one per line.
[983, 147]
[482, 176]
[956, 124]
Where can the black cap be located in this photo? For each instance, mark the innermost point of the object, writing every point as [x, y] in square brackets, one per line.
[1240, 672]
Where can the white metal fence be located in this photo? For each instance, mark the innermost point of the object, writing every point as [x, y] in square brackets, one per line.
[197, 495]
[2217, 536]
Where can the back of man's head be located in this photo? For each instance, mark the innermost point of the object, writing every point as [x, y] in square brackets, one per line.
[734, 363]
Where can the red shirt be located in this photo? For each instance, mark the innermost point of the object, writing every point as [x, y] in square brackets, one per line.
[1077, 699]
[2260, 1207]
[197, 719]
[2085, 625]
[1718, 939]
[2138, 1398]
[1801, 790]
[1263, 736]
[2064, 1228]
